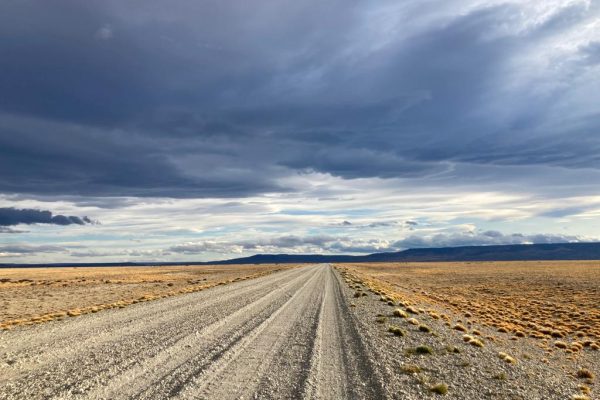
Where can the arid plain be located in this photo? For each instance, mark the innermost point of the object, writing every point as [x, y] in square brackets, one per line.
[37, 295]
[497, 330]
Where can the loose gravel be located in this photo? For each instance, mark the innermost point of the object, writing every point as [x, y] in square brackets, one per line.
[296, 334]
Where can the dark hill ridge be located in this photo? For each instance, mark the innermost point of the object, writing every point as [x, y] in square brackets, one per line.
[520, 252]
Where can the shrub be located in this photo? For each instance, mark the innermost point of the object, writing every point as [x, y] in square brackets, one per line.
[453, 349]
[410, 369]
[507, 358]
[584, 373]
[501, 376]
[400, 313]
[472, 341]
[460, 327]
[560, 344]
[580, 397]
[396, 330]
[424, 328]
[423, 350]
[440, 388]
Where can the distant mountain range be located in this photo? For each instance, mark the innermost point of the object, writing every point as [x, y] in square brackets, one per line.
[520, 252]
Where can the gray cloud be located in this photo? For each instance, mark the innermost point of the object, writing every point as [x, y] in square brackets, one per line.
[479, 238]
[159, 100]
[346, 244]
[4, 229]
[12, 216]
[23, 249]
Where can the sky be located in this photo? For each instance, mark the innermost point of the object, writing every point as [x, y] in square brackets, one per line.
[145, 130]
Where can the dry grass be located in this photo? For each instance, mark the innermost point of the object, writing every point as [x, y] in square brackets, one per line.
[36, 295]
[440, 388]
[544, 300]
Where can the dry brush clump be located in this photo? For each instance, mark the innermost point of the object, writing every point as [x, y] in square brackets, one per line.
[440, 388]
[505, 357]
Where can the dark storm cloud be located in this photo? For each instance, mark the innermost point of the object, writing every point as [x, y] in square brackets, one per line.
[221, 99]
[12, 216]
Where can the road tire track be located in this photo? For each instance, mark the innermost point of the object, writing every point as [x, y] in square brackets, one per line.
[286, 335]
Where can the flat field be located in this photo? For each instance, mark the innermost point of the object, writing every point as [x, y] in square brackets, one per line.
[35, 295]
[554, 302]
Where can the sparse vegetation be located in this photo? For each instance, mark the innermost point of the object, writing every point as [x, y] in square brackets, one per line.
[551, 301]
[34, 296]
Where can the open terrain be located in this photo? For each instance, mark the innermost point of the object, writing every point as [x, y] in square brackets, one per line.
[545, 312]
[309, 332]
[36, 295]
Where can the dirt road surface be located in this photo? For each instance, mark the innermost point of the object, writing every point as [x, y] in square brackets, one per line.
[289, 335]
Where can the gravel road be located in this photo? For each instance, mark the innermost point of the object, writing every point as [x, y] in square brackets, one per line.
[287, 335]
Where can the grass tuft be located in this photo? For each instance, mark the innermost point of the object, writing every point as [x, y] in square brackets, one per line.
[585, 373]
[410, 369]
[396, 330]
[440, 388]
[400, 313]
[423, 350]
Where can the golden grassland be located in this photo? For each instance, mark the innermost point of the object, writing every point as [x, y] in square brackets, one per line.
[557, 303]
[36, 295]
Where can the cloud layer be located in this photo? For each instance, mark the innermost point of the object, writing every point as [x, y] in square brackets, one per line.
[159, 100]
[207, 129]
